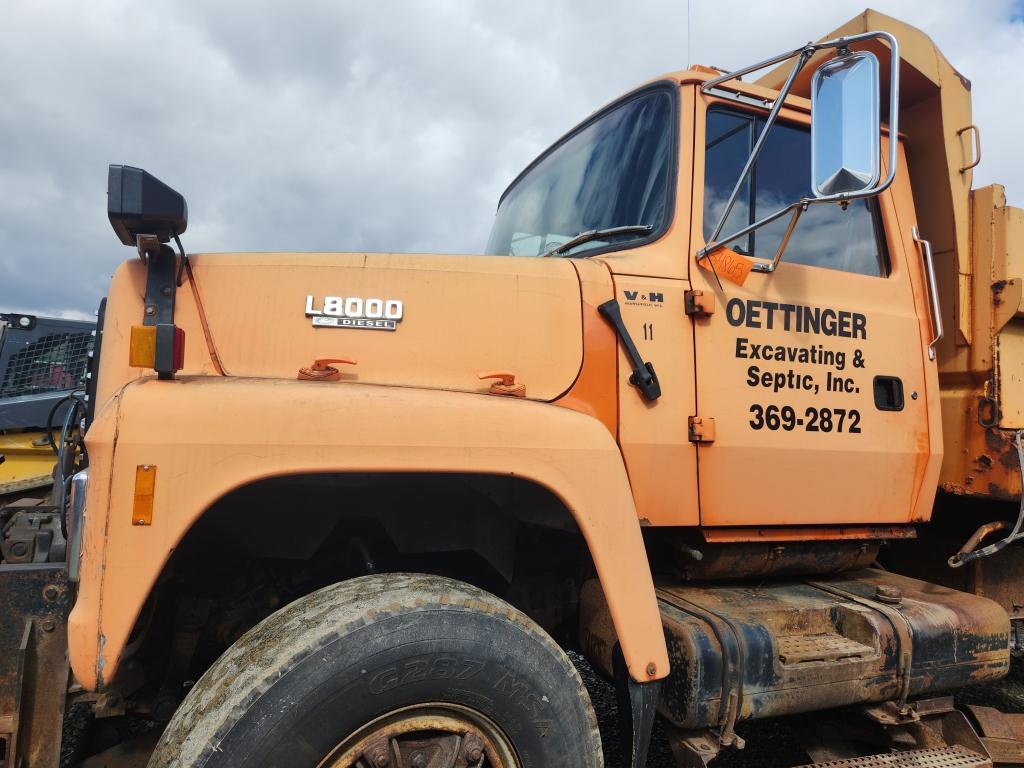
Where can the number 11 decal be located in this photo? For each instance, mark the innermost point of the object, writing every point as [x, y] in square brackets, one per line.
[648, 331]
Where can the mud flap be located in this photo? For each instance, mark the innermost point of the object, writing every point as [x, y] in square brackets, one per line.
[637, 704]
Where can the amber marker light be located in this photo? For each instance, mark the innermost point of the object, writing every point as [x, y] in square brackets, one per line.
[160, 347]
[142, 347]
[145, 485]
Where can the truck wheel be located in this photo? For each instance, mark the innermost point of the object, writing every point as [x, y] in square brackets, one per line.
[388, 671]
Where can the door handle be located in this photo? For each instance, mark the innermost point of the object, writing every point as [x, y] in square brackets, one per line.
[933, 291]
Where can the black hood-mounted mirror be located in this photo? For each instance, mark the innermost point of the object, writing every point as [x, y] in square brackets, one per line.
[138, 203]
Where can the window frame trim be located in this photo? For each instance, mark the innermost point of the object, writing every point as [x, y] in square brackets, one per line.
[671, 87]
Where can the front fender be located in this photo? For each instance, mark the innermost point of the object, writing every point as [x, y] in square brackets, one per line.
[208, 436]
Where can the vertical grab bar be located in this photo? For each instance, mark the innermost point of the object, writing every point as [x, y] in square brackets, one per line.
[933, 291]
[977, 146]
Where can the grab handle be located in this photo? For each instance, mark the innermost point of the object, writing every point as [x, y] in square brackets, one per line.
[977, 146]
[933, 291]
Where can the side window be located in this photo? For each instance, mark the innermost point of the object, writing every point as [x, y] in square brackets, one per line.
[613, 172]
[826, 236]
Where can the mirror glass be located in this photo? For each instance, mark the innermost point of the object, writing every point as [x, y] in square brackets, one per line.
[845, 125]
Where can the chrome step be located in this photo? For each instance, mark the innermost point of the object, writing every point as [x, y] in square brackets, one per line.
[944, 757]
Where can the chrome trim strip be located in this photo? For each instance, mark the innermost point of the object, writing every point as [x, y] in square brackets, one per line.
[76, 522]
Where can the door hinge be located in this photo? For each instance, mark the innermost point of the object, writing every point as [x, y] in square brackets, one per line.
[702, 429]
[699, 303]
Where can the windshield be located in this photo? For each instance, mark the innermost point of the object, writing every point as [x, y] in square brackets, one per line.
[613, 172]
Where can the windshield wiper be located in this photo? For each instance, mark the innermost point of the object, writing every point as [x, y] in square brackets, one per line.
[594, 234]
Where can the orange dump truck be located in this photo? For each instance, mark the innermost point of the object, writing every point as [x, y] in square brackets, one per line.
[746, 435]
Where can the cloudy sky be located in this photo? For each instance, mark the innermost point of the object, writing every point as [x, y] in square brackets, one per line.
[337, 125]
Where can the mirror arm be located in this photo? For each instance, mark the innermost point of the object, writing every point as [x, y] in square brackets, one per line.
[804, 55]
[798, 210]
[714, 246]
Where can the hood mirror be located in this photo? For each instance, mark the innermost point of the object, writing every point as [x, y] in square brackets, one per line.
[138, 203]
[845, 125]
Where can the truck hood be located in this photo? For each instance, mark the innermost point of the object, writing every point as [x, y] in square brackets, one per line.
[413, 320]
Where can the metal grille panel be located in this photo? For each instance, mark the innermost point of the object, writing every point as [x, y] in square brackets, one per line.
[53, 363]
[945, 757]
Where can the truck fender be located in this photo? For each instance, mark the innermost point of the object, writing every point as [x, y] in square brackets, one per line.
[208, 436]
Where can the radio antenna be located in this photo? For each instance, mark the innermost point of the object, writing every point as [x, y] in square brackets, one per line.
[689, 57]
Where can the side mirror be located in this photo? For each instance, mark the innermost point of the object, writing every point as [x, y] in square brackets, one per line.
[141, 204]
[845, 125]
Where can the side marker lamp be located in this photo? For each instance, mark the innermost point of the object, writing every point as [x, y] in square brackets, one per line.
[159, 347]
[145, 487]
[142, 347]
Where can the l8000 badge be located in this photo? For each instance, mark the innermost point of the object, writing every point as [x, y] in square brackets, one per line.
[354, 312]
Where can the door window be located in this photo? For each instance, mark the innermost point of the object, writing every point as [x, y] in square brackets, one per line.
[826, 235]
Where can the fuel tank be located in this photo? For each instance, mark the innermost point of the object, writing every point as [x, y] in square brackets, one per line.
[432, 321]
[745, 651]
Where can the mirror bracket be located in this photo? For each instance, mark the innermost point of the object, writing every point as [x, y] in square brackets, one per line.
[804, 53]
[147, 245]
[798, 210]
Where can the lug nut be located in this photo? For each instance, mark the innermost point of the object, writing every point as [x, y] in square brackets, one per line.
[418, 761]
[381, 759]
[474, 752]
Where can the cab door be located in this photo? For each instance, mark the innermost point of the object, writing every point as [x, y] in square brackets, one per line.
[815, 375]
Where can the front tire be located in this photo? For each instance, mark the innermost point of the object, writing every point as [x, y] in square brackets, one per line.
[388, 671]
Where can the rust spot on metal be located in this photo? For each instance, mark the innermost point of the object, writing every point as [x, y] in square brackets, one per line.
[995, 441]
[1009, 458]
[998, 492]
[993, 469]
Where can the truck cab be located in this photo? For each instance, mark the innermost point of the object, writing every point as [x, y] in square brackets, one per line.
[816, 379]
[704, 378]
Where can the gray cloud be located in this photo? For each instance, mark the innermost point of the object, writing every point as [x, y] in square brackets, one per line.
[373, 126]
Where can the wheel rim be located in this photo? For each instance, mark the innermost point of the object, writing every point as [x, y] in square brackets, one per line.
[437, 735]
